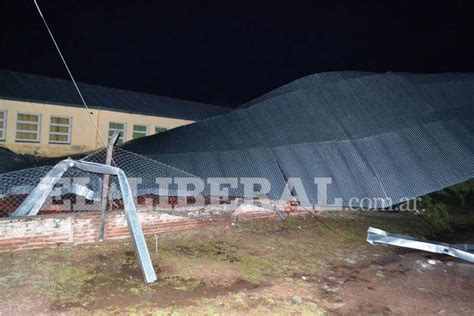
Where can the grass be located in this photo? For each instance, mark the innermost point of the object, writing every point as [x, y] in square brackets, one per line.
[257, 266]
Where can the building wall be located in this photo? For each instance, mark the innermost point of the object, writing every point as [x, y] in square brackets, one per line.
[84, 136]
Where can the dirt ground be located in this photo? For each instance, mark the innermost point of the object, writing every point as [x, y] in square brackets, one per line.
[300, 266]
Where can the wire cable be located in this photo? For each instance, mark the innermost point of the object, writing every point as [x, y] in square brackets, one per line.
[70, 75]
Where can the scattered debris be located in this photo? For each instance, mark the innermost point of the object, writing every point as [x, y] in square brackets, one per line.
[433, 262]
[380, 274]
[421, 265]
[350, 261]
[297, 299]
[377, 236]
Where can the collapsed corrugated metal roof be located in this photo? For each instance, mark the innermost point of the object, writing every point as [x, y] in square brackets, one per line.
[34, 88]
[376, 135]
[10, 161]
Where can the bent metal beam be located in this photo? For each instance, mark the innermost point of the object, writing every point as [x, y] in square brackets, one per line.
[37, 197]
[377, 236]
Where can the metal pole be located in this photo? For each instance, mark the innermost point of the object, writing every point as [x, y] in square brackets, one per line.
[33, 203]
[144, 259]
[105, 185]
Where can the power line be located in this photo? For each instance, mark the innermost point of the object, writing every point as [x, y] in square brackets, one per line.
[70, 75]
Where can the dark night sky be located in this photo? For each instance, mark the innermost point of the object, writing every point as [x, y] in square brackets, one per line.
[224, 53]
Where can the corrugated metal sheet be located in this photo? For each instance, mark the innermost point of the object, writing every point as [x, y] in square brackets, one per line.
[253, 162]
[9, 161]
[27, 87]
[376, 135]
[307, 83]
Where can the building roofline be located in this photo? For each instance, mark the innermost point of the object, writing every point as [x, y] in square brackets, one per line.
[17, 86]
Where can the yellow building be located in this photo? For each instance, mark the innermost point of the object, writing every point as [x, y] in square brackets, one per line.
[45, 116]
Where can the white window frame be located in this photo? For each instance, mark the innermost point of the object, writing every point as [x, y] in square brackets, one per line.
[166, 129]
[68, 134]
[38, 131]
[122, 134]
[141, 125]
[4, 128]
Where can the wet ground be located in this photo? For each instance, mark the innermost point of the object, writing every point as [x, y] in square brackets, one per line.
[261, 267]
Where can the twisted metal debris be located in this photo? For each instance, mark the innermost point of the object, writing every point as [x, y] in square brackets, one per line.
[377, 236]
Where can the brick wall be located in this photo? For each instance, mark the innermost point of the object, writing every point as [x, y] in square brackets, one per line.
[73, 229]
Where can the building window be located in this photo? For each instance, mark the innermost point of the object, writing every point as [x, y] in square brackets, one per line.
[117, 127]
[139, 131]
[60, 130]
[160, 129]
[3, 124]
[28, 127]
